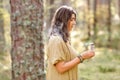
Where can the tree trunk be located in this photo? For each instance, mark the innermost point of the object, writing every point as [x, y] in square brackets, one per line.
[2, 38]
[51, 13]
[119, 7]
[65, 2]
[1, 3]
[52, 10]
[27, 41]
[88, 24]
[109, 22]
[95, 20]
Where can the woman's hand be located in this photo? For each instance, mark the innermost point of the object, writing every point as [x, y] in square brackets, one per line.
[88, 54]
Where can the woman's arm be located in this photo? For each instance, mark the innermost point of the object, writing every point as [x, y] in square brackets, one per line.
[65, 66]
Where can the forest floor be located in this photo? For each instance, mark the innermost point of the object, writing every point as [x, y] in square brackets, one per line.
[104, 66]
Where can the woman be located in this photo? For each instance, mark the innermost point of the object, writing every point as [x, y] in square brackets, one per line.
[62, 58]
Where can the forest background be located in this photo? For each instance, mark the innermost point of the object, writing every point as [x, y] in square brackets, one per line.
[98, 21]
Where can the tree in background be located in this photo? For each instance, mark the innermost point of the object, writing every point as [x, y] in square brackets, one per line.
[119, 7]
[95, 20]
[109, 22]
[92, 5]
[49, 13]
[65, 2]
[88, 24]
[27, 41]
[2, 38]
[52, 10]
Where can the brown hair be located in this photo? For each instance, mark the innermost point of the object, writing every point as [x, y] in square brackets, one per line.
[60, 21]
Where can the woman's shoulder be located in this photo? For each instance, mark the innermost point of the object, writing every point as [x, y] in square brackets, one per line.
[56, 39]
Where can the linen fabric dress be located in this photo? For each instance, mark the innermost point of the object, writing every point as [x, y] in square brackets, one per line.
[58, 50]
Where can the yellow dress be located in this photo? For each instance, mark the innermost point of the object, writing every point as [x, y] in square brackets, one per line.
[58, 50]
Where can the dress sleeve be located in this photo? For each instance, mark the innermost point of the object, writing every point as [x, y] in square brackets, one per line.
[56, 50]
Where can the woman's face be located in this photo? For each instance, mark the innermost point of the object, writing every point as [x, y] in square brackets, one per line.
[71, 22]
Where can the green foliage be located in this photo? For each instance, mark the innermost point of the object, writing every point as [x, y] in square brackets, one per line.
[107, 68]
[105, 62]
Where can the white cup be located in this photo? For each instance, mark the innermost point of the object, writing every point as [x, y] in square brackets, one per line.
[91, 46]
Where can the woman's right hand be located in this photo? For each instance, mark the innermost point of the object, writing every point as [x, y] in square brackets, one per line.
[88, 54]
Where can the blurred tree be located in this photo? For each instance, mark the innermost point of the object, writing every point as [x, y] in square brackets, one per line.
[102, 2]
[2, 38]
[52, 10]
[27, 41]
[119, 7]
[66, 2]
[50, 13]
[109, 22]
[88, 24]
[1, 3]
[92, 4]
[95, 20]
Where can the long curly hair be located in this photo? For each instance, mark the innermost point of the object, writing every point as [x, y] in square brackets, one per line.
[60, 21]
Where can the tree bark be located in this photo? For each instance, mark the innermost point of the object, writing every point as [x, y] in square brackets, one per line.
[27, 40]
